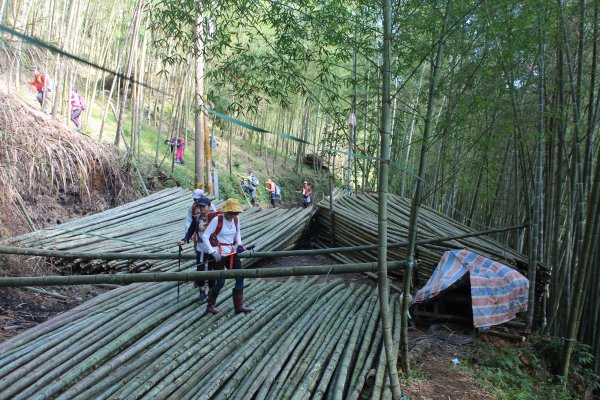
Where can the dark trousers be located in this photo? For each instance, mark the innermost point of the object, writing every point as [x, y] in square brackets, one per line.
[201, 265]
[75, 117]
[248, 188]
[40, 97]
[217, 285]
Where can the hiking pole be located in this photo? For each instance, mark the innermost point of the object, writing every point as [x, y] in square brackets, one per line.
[179, 270]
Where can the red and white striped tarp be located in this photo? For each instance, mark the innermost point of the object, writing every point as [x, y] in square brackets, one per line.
[498, 292]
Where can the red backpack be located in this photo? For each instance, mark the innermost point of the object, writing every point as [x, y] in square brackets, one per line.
[213, 238]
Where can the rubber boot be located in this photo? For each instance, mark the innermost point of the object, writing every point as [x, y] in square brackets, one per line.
[210, 303]
[238, 302]
[203, 296]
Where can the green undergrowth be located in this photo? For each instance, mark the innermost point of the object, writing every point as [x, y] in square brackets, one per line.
[527, 372]
[229, 184]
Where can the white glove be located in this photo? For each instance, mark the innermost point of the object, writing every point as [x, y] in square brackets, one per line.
[216, 256]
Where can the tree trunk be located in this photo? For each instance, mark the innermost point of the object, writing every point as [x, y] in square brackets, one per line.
[537, 214]
[199, 143]
[382, 223]
[417, 199]
[130, 61]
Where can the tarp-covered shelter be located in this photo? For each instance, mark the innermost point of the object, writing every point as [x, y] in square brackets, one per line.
[498, 292]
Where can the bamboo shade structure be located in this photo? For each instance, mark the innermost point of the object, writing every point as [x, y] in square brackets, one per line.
[304, 340]
[355, 219]
[154, 224]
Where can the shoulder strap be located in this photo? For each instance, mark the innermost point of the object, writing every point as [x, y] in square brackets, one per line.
[219, 224]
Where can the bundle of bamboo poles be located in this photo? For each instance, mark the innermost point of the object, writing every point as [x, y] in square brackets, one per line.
[354, 223]
[154, 224]
[154, 341]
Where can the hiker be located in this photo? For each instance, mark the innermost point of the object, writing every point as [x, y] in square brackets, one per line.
[247, 187]
[77, 106]
[171, 143]
[199, 211]
[272, 191]
[39, 82]
[197, 195]
[180, 148]
[223, 240]
[306, 191]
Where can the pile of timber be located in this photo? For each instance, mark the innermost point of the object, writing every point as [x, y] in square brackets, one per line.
[355, 224]
[304, 340]
[154, 224]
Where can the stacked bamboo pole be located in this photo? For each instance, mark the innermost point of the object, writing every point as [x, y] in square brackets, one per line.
[144, 341]
[153, 224]
[355, 220]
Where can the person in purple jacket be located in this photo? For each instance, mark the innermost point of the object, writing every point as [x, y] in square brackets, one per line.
[77, 106]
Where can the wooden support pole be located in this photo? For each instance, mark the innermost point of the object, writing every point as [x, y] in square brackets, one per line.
[195, 276]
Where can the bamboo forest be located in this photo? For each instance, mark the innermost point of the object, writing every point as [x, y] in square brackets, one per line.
[317, 199]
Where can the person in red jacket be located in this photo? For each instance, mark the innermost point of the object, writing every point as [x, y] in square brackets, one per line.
[39, 82]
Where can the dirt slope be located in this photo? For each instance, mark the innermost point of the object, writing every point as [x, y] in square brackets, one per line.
[58, 175]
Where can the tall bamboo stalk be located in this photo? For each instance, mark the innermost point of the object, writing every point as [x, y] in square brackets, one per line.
[417, 199]
[382, 223]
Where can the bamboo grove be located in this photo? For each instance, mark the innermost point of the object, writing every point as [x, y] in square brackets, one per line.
[493, 106]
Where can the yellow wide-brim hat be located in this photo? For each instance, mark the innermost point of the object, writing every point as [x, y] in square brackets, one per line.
[232, 205]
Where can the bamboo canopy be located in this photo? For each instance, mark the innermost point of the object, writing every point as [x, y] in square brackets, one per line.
[304, 340]
[152, 225]
[355, 220]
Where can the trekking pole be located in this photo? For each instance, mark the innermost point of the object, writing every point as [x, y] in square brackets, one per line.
[179, 270]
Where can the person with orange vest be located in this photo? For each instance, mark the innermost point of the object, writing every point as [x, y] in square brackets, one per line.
[223, 241]
[200, 213]
[271, 189]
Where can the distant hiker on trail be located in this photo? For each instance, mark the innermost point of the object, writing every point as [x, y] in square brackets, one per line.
[77, 106]
[223, 240]
[272, 189]
[39, 82]
[197, 195]
[171, 143]
[249, 185]
[180, 148]
[199, 211]
[306, 191]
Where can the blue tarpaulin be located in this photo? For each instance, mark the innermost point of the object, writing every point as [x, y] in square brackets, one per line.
[498, 292]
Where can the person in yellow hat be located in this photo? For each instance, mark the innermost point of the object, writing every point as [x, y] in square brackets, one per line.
[223, 241]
